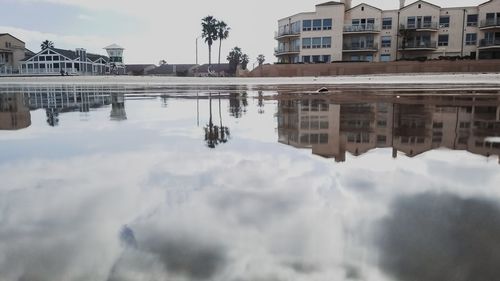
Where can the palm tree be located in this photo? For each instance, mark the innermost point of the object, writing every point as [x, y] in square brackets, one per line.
[209, 32]
[261, 59]
[222, 34]
[47, 44]
[244, 61]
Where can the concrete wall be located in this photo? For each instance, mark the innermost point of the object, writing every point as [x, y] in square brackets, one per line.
[333, 69]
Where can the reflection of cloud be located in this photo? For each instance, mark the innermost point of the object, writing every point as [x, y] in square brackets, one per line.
[441, 237]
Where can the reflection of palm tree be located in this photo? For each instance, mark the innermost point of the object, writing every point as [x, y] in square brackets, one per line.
[215, 135]
[260, 104]
[237, 104]
[52, 116]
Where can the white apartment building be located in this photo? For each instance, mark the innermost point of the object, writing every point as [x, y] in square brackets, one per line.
[336, 31]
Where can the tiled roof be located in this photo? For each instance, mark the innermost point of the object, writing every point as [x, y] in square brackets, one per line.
[71, 55]
[330, 3]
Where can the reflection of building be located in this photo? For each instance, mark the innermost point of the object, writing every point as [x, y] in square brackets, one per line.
[336, 31]
[13, 112]
[118, 107]
[412, 126]
[57, 100]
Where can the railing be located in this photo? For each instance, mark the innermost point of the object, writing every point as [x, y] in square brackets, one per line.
[280, 51]
[489, 42]
[363, 46]
[286, 32]
[47, 71]
[361, 28]
[418, 45]
[421, 25]
[490, 22]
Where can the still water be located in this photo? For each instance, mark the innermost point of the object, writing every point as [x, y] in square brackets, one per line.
[109, 183]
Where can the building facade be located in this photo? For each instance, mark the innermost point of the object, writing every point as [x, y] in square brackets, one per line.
[335, 31]
[54, 61]
[12, 51]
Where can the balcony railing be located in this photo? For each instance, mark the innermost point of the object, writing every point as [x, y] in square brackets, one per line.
[286, 50]
[490, 23]
[359, 28]
[285, 33]
[354, 46]
[421, 25]
[418, 45]
[489, 42]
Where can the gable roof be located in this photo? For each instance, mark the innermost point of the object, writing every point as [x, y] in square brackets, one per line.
[8, 34]
[422, 1]
[70, 55]
[364, 4]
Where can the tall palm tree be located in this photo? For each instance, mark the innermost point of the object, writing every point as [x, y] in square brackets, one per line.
[222, 34]
[209, 33]
[47, 44]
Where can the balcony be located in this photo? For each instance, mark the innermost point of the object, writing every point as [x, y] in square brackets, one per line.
[286, 34]
[286, 51]
[489, 43]
[361, 28]
[360, 47]
[422, 26]
[419, 46]
[489, 24]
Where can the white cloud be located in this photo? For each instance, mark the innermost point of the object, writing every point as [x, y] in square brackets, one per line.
[85, 17]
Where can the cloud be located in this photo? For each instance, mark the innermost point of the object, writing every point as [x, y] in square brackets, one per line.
[441, 237]
[85, 17]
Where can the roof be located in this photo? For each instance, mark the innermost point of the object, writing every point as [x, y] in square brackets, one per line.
[330, 3]
[4, 34]
[364, 4]
[138, 67]
[167, 69]
[70, 55]
[215, 67]
[409, 5]
[114, 46]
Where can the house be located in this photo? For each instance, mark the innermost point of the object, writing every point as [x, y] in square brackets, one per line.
[54, 61]
[12, 51]
[336, 31]
[174, 70]
[139, 69]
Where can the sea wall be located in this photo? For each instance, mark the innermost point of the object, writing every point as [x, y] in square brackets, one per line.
[364, 68]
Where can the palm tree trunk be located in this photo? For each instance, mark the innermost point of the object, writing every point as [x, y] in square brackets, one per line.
[209, 55]
[220, 46]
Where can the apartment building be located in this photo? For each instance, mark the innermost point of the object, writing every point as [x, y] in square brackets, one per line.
[336, 31]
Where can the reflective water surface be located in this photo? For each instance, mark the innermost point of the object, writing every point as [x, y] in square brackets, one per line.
[113, 183]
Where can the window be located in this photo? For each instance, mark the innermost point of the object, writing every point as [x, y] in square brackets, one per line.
[327, 58]
[306, 25]
[386, 41]
[385, 57]
[472, 20]
[327, 42]
[382, 123]
[387, 23]
[444, 21]
[381, 139]
[42, 58]
[315, 58]
[411, 22]
[355, 22]
[306, 43]
[443, 40]
[316, 42]
[316, 25]
[420, 6]
[68, 65]
[470, 39]
[327, 24]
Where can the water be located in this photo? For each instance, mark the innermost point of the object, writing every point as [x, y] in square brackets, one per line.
[230, 183]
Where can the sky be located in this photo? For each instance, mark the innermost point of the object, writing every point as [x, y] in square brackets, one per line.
[153, 30]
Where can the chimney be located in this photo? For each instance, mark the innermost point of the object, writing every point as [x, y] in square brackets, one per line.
[401, 4]
[348, 4]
